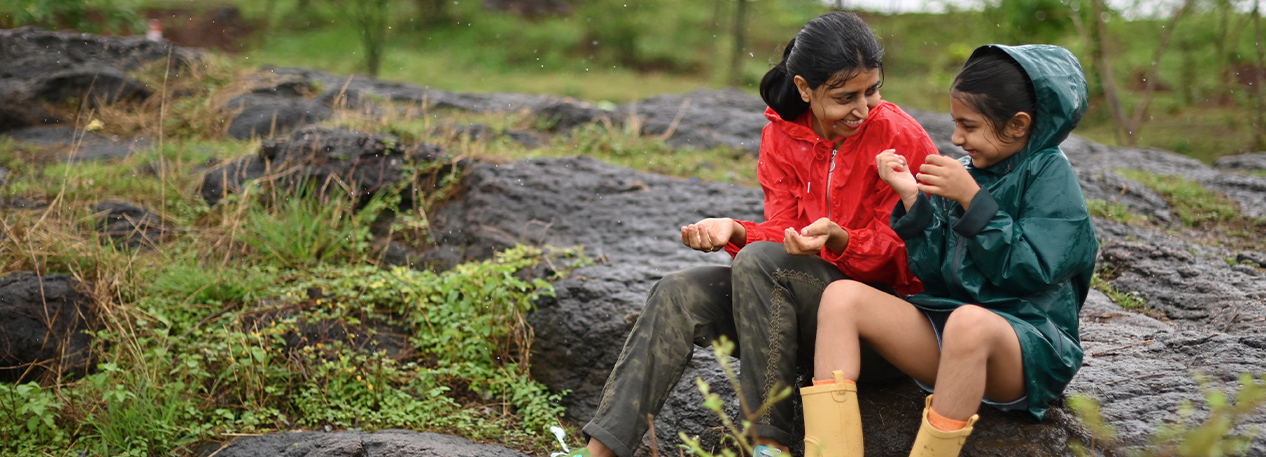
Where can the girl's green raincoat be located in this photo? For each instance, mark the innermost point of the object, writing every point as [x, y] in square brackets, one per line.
[1025, 248]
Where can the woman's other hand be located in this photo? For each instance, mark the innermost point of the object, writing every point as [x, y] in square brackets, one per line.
[894, 171]
[811, 239]
[946, 177]
[711, 235]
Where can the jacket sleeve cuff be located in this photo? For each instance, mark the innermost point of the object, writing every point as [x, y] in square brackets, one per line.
[748, 232]
[911, 224]
[981, 210]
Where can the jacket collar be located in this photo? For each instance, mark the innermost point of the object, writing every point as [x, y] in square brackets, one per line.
[800, 129]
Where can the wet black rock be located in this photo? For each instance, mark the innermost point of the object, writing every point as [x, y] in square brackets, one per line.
[42, 66]
[1253, 257]
[566, 115]
[67, 143]
[43, 320]
[367, 162]
[1244, 162]
[1191, 284]
[267, 116]
[703, 119]
[129, 225]
[478, 132]
[385, 443]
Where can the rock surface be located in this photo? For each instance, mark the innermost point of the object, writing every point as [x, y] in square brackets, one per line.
[76, 146]
[128, 225]
[366, 162]
[386, 443]
[41, 66]
[42, 324]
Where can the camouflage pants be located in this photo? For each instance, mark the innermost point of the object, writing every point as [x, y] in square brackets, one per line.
[766, 301]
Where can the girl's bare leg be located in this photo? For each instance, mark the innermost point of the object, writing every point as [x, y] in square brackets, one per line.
[980, 355]
[851, 312]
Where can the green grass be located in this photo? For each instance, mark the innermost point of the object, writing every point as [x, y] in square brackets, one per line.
[1132, 301]
[1114, 212]
[1191, 202]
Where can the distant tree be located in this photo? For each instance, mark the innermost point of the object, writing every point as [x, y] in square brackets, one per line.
[1029, 21]
[736, 59]
[1103, 62]
[613, 27]
[433, 11]
[53, 14]
[1259, 78]
[373, 18]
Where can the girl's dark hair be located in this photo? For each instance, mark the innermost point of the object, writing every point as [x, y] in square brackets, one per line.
[831, 48]
[994, 85]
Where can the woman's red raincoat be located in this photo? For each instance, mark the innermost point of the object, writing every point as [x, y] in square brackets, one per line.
[793, 171]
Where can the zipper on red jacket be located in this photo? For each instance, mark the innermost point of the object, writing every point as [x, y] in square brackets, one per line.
[830, 171]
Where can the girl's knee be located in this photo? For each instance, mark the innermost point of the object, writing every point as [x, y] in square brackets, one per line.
[973, 327]
[840, 300]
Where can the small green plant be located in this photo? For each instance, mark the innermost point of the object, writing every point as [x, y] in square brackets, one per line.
[1133, 300]
[1113, 211]
[740, 437]
[1214, 436]
[308, 228]
[29, 418]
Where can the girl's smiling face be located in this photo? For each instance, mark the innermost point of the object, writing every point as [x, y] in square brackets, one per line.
[838, 112]
[981, 139]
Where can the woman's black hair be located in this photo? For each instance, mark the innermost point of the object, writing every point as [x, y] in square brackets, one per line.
[994, 85]
[831, 48]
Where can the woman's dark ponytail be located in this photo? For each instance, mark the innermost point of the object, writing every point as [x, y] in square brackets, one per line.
[778, 88]
[830, 49]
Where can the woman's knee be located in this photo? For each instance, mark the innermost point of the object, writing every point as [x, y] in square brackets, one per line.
[691, 294]
[758, 256]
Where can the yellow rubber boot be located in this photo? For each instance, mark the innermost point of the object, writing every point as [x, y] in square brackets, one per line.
[832, 422]
[932, 442]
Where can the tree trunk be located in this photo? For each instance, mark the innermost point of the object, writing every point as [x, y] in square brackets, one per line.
[432, 11]
[1106, 79]
[1132, 123]
[1259, 94]
[1153, 73]
[736, 59]
[373, 17]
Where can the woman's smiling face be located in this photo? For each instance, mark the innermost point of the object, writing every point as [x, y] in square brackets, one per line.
[838, 111]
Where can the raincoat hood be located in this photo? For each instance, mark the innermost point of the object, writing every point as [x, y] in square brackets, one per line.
[1060, 87]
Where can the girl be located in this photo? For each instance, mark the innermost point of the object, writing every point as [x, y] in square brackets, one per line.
[1004, 247]
[826, 218]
